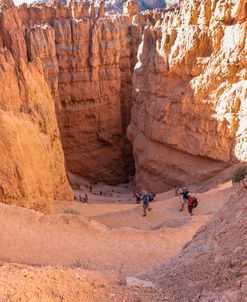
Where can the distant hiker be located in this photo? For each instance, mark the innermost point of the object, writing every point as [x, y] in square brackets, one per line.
[85, 199]
[90, 189]
[192, 203]
[145, 199]
[80, 198]
[176, 190]
[185, 195]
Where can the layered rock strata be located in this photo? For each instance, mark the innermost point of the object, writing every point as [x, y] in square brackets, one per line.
[88, 63]
[190, 105]
[32, 172]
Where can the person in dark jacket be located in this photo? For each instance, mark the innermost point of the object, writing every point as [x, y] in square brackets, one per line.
[145, 199]
[185, 197]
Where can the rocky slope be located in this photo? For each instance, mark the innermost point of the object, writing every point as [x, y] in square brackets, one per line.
[190, 107]
[213, 266]
[32, 172]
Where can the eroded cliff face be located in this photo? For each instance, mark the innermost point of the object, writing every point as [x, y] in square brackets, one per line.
[88, 63]
[189, 117]
[32, 172]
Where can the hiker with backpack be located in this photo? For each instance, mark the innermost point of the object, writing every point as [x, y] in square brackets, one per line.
[185, 196]
[192, 203]
[145, 199]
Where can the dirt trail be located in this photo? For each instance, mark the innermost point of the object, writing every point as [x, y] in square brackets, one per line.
[109, 237]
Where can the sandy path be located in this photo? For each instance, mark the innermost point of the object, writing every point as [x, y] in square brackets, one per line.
[107, 237]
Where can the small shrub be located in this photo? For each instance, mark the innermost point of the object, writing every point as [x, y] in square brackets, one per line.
[71, 211]
[78, 264]
[239, 174]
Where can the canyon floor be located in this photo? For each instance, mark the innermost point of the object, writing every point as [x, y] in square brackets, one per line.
[83, 252]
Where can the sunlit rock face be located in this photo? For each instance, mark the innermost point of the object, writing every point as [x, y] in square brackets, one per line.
[189, 117]
[117, 5]
[87, 60]
[88, 64]
[32, 171]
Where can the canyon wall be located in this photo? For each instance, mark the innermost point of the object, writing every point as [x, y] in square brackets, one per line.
[189, 117]
[32, 172]
[88, 63]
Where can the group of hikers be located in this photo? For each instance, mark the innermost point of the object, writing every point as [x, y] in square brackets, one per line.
[83, 199]
[185, 198]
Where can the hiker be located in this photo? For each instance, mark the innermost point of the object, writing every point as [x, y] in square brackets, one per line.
[90, 189]
[192, 203]
[176, 190]
[185, 195]
[80, 198]
[146, 199]
[85, 199]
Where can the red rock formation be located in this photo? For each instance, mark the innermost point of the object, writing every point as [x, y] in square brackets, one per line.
[32, 172]
[189, 115]
[88, 64]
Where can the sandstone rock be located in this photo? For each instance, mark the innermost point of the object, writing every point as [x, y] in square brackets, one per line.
[88, 64]
[130, 7]
[92, 9]
[135, 282]
[190, 95]
[32, 172]
[101, 12]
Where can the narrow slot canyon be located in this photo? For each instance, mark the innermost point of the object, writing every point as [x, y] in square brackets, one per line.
[96, 106]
